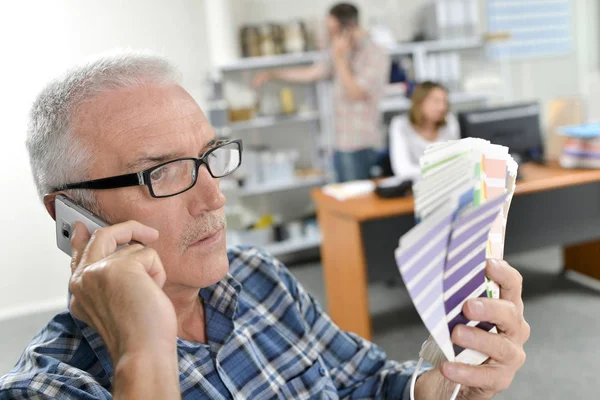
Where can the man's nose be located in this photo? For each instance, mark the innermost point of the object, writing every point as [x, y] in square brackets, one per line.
[206, 194]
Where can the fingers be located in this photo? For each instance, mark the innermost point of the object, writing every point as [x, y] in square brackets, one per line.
[491, 378]
[502, 313]
[498, 347]
[118, 265]
[509, 280]
[126, 250]
[150, 260]
[505, 348]
[105, 241]
[79, 240]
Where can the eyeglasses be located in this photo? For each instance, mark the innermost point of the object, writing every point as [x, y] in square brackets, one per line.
[174, 177]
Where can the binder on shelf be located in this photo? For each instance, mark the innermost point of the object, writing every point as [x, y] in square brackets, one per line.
[442, 19]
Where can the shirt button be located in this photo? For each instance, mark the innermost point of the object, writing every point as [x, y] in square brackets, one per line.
[322, 371]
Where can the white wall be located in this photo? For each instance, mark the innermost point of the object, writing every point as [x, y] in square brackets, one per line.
[42, 38]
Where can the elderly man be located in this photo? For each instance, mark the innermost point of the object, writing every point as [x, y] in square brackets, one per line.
[175, 314]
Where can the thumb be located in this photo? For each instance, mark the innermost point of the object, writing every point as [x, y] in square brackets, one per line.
[79, 240]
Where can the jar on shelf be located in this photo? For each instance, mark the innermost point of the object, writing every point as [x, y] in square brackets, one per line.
[287, 101]
[250, 40]
[295, 37]
[267, 45]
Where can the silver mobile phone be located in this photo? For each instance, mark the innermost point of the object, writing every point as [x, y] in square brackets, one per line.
[67, 213]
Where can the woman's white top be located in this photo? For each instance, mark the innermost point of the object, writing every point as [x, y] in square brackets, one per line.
[407, 146]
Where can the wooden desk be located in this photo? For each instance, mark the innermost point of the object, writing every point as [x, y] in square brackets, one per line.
[552, 206]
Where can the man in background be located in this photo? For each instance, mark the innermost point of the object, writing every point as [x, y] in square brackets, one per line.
[360, 70]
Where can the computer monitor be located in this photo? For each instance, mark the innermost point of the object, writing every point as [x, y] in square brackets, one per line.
[516, 127]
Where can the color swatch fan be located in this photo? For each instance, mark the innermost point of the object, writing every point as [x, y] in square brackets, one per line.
[461, 205]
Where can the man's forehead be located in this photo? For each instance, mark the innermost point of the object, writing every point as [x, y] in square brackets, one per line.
[140, 106]
[149, 120]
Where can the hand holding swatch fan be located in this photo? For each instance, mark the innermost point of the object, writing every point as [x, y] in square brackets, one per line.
[461, 205]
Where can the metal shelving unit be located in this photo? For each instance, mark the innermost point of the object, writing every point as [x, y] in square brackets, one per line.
[324, 115]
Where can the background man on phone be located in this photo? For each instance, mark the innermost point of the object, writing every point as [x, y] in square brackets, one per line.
[360, 71]
[159, 307]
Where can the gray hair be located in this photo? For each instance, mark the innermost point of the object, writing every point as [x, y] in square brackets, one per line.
[57, 157]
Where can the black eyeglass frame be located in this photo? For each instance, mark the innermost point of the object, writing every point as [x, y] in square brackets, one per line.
[142, 178]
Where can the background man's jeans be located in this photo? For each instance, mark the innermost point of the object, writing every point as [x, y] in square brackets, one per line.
[355, 165]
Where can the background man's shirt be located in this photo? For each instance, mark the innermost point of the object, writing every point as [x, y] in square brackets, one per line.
[358, 122]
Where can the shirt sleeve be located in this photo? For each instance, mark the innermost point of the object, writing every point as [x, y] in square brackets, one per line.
[358, 368]
[402, 164]
[47, 386]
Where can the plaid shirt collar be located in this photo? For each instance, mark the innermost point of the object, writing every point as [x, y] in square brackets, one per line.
[222, 296]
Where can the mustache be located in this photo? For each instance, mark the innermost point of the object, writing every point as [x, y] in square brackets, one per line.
[204, 225]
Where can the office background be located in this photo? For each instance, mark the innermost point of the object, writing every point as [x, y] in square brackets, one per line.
[42, 38]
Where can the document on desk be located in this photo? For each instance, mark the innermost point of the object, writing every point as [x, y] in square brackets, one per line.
[461, 205]
[349, 190]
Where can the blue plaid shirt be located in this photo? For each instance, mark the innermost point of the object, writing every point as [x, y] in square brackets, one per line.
[267, 338]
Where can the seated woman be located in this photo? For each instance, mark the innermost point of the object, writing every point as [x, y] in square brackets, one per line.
[428, 121]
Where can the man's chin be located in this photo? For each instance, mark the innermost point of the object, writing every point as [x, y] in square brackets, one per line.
[202, 264]
[213, 266]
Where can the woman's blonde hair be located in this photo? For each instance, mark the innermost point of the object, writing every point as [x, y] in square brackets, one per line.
[419, 95]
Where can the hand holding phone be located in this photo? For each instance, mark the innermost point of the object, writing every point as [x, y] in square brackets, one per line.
[118, 292]
[117, 253]
[67, 213]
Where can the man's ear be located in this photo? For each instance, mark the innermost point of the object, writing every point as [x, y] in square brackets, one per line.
[49, 203]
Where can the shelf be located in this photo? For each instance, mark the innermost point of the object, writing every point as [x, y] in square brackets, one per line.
[293, 245]
[288, 60]
[303, 182]
[453, 44]
[437, 45]
[265, 122]
[283, 60]
[402, 103]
